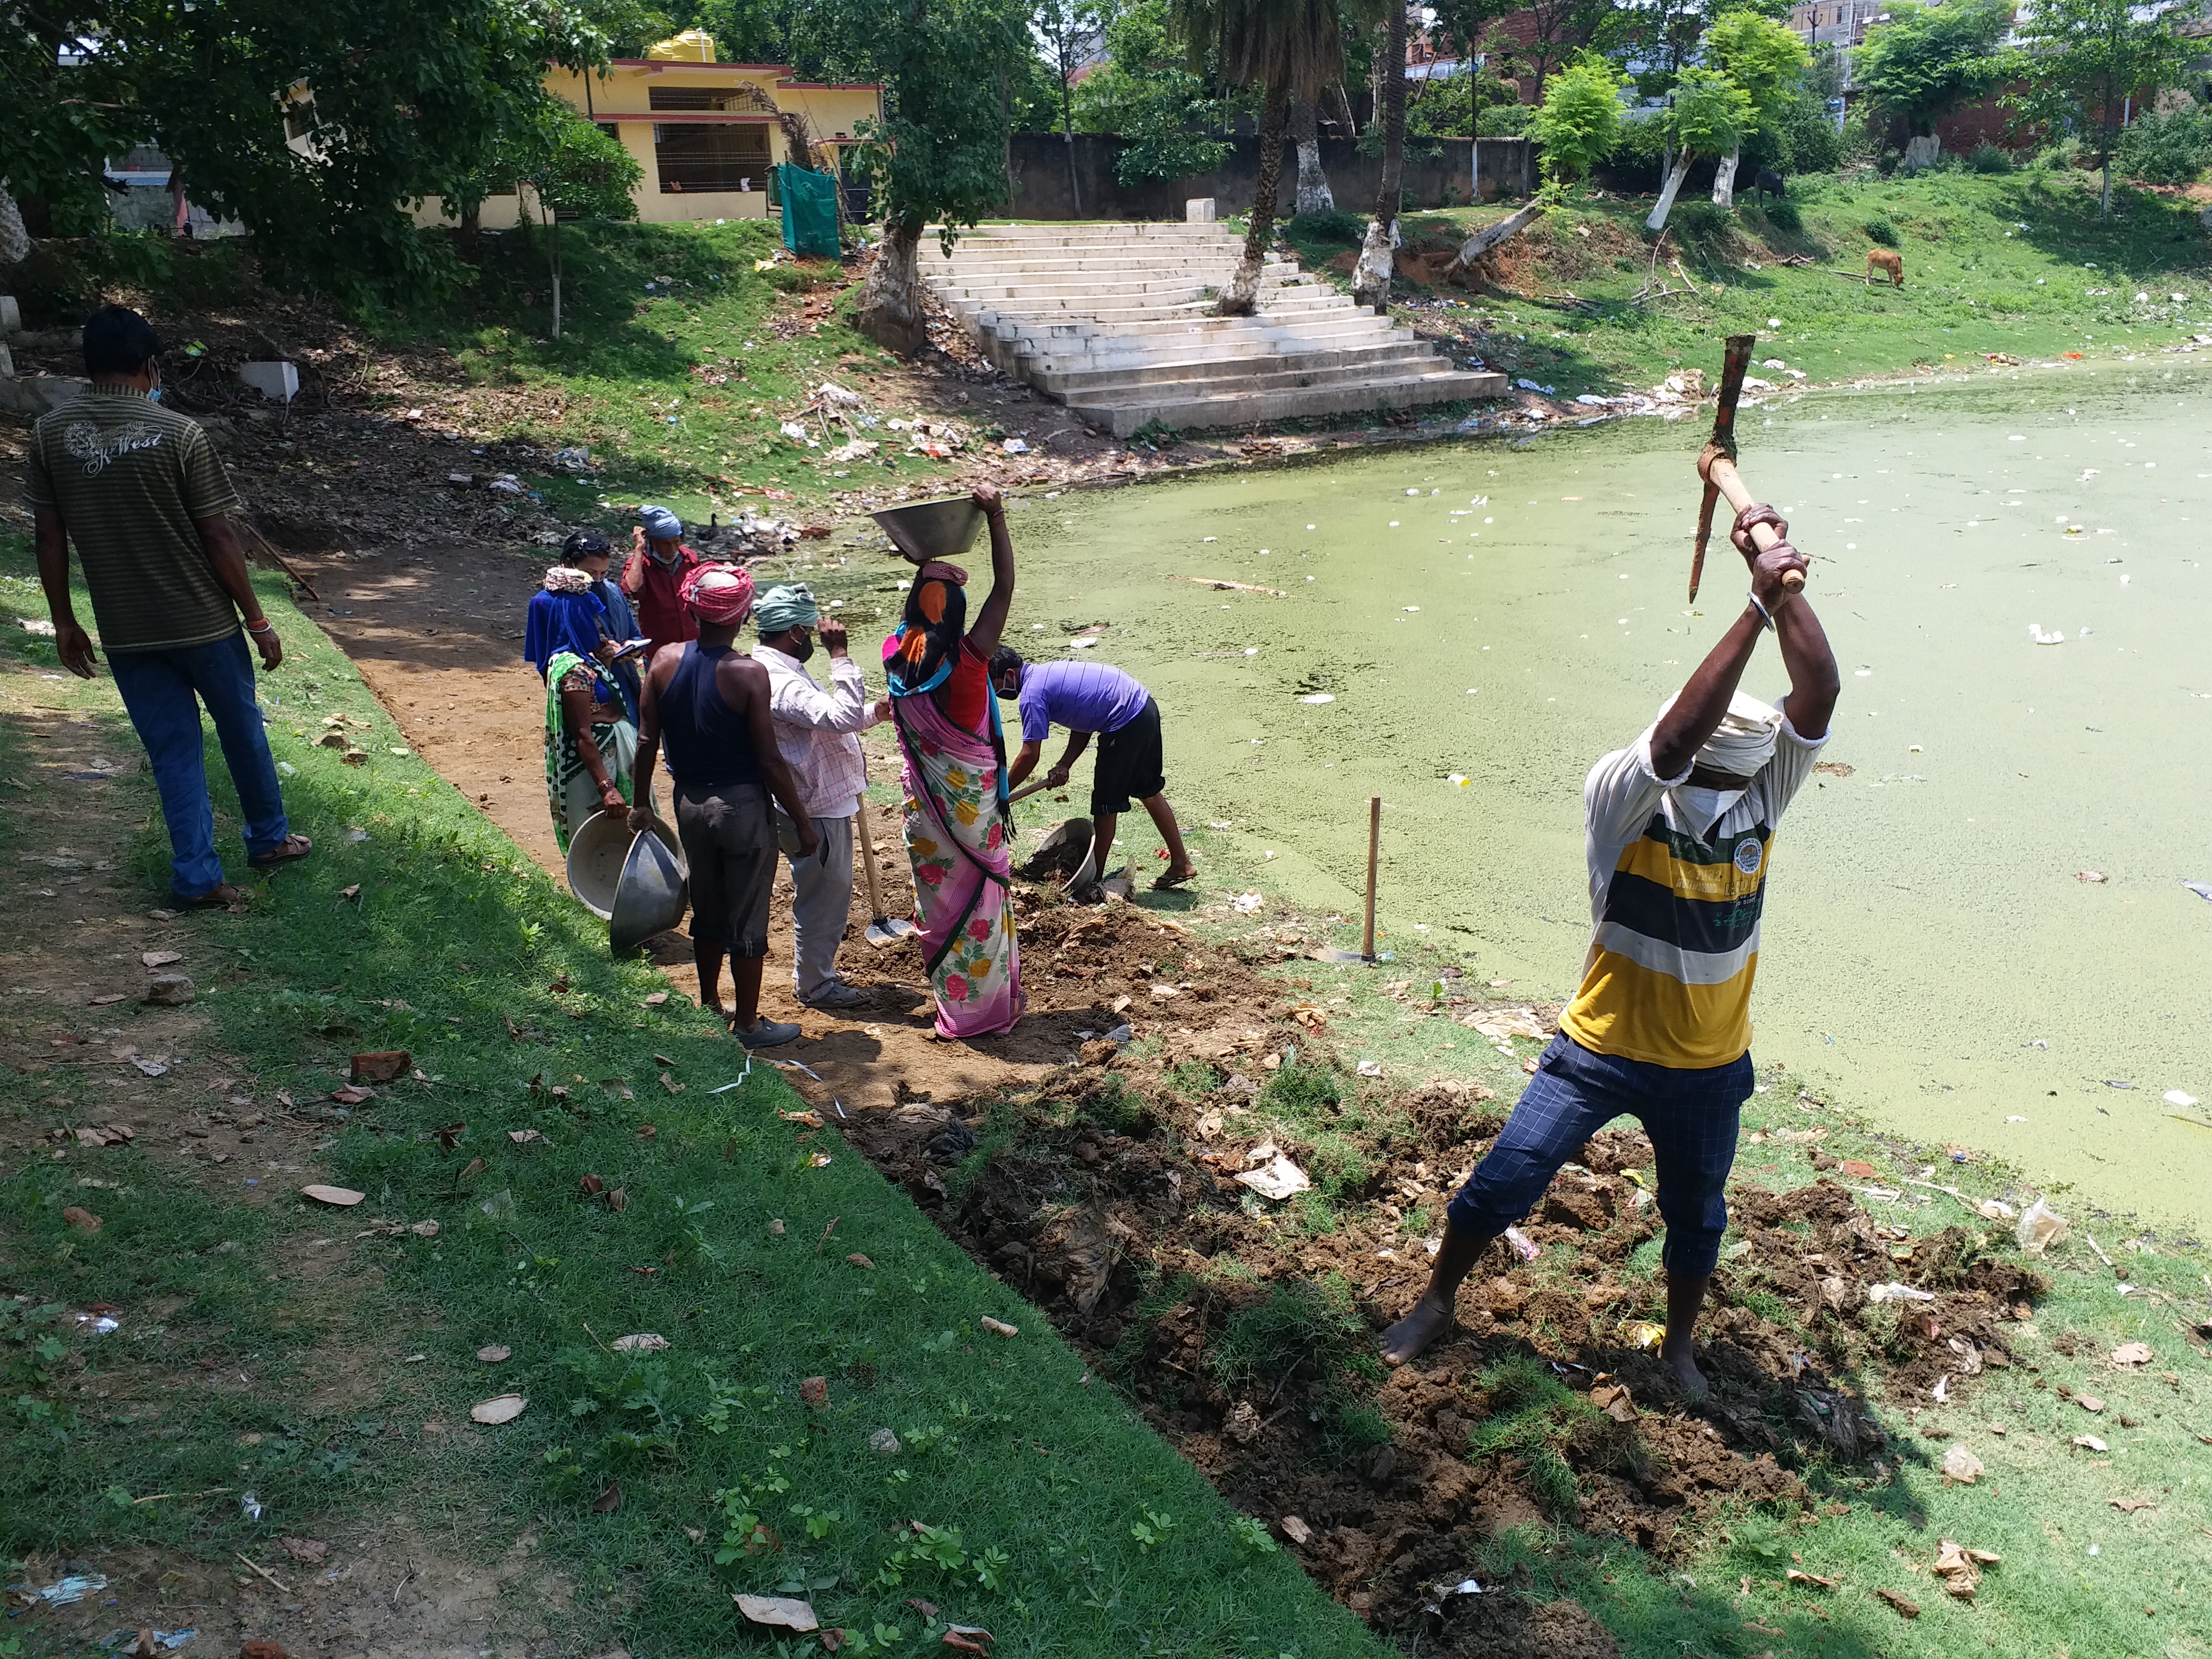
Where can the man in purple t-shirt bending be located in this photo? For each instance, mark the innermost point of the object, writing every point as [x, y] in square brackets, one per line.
[1088, 697]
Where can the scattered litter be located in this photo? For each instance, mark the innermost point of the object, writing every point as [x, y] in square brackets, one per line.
[2039, 1228]
[1614, 1399]
[1278, 1178]
[1371, 1068]
[1960, 1568]
[2132, 1353]
[2037, 632]
[1962, 1466]
[2089, 1402]
[1316, 699]
[1994, 1209]
[1250, 904]
[2129, 1505]
[2091, 876]
[2090, 1443]
[779, 1610]
[341, 1198]
[998, 1327]
[1894, 1292]
[2180, 1098]
[1444, 1589]
[500, 1408]
[494, 1354]
[68, 1591]
[640, 1342]
[250, 1507]
[883, 1442]
[1015, 446]
[1646, 1334]
[1295, 1529]
[1523, 1246]
[1799, 1576]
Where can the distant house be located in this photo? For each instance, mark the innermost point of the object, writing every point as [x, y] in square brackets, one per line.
[705, 135]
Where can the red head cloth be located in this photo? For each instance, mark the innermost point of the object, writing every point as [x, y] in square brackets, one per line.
[719, 593]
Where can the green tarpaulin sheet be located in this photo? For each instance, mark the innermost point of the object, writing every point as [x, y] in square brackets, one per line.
[810, 210]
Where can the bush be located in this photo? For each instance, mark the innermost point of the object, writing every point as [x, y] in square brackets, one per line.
[1882, 232]
[2168, 150]
[1333, 226]
[1990, 158]
[1783, 215]
[1505, 121]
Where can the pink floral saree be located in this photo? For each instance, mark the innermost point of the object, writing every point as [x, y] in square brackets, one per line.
[956, 840]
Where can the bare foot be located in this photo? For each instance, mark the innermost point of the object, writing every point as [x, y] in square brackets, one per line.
[1423, 1325]
[1687, 1374]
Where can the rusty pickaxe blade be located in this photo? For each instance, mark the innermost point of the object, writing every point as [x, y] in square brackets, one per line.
[1733, 367]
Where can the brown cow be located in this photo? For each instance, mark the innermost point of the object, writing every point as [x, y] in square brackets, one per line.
[1881, 259]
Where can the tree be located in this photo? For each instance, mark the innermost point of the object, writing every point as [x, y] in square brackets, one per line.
[1767, 63]
[1371, 278]
[1926, 61]
[1291, 48]
[1580, 121]
[575, 171]
[939, 153]
[1464, 24]
[1147, 96]
[58, 126]
[1070, 31]
[1707, 116]
[2084, 61]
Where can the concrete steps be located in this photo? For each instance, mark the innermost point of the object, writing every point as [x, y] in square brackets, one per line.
[1116, 321]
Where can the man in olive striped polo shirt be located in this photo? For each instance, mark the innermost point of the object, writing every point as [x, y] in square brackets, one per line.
[138, 490]
[1679, 832]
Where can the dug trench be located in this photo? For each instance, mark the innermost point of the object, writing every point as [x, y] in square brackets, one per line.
[1243, 1329]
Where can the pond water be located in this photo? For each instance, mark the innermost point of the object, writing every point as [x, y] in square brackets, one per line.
[1505, 615]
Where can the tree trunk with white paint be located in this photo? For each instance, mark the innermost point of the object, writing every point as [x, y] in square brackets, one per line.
[1921, 151]
[1313, 193]
[1677, 170]
[15, 240]
[1725, 180]
[1504, 231]
[891, 300]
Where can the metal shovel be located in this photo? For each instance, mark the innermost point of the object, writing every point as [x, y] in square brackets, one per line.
[884, 932]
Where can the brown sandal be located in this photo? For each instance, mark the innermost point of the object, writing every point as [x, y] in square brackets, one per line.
[294, 847]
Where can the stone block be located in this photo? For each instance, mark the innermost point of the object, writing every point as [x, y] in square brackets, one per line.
[11, 315]
[278, 382]
[169, 991]
[1199, 211]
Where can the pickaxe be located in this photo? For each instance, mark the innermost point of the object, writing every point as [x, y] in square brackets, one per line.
[1716, 465]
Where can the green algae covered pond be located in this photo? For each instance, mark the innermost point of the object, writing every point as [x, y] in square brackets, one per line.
[1464, 628]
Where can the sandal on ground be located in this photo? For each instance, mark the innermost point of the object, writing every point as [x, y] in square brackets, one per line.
[292, 847]
[1171, 880]
[220, 897]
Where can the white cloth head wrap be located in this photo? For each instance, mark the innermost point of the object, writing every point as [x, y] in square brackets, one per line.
[1744, 742]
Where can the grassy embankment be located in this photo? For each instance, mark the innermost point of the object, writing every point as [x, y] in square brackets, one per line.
[1046, 1510]
[2019, 264]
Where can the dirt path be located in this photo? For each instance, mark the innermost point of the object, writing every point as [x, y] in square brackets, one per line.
[437, 634]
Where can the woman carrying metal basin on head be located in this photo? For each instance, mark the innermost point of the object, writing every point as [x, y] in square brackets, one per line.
[590, 742]
[957, 821]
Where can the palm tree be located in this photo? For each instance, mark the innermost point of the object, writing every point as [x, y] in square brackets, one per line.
[1292, 48]
[1370, 278]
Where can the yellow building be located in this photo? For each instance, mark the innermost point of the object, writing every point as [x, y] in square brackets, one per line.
[704, 134]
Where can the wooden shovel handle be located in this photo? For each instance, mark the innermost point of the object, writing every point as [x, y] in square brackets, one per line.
[1720, 471]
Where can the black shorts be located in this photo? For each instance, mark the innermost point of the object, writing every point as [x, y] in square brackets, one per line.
[729, 842]
[1130, 764]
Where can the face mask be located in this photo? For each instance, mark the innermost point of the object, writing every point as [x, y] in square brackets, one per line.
[154, 395]
[1701, 809]
[801, 648]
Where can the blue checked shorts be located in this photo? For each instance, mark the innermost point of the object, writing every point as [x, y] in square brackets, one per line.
[1690, 1117]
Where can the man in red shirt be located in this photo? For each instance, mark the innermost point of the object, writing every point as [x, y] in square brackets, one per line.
[653, 578]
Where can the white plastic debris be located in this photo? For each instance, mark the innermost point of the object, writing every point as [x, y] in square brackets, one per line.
[1246, 904]
[1015, 446]
[2180, 1098]
[1371, 1068]
[2039, 1228]
[1278, 1178]
[1523, 1246]
[1316, 699]
[2036, 632]
[1895, 1292]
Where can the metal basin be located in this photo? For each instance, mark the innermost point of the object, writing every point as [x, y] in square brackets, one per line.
[596, 853]
[649, 898]
[933, 530]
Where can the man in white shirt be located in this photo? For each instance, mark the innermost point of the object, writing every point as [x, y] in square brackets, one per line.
[817, 732]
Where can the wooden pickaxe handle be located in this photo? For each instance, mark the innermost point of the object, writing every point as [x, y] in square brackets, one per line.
[1721, 475]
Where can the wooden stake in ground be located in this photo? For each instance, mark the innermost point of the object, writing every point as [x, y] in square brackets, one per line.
[1373, 847]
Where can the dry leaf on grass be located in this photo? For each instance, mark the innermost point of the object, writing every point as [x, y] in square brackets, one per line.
[1614, 1399]
[608, 1501]
[618, 1200]
[2090, 1443]
[642, 1342]
[352, 1095]
[591, 1186]
[812, 1120]
[2132, 1353]
[492, 1353]
[1960, 1568]
[927, 1609]
[2088, 1402]
[998, 1327]
[1799, 1576]
[859, 1261]
[967, 1639]
[524, 1137]
[648, 1130]
[338, 1198]
[449, 1135]
[778, 1610]
[670, 1084]
[815, 1391]
[471, 1170]
[310, 1550]
[500, 1408]
[656, 998]
[1962, 1466]
[383, 1066]
[819, 1161]
[351, 892]
[1909, 1608]
[2129, 1505]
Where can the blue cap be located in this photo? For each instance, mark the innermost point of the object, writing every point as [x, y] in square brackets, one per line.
[661, 524]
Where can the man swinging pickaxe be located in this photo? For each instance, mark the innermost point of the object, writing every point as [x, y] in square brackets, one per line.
[1758, 528]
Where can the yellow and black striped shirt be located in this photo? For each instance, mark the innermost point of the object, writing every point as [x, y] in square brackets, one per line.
[1674, 909]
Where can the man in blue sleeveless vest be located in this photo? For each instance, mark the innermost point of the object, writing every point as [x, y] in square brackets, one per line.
[1678, 829]
[709, 705]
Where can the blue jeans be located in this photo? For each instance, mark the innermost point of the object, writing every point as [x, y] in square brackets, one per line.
[163, 691]
[1690, 1117]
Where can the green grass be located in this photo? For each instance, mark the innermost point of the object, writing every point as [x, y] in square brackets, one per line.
[1052, 1513]
[1976, 280]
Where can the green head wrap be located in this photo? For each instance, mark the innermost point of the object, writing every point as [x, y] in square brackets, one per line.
[789, 606]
